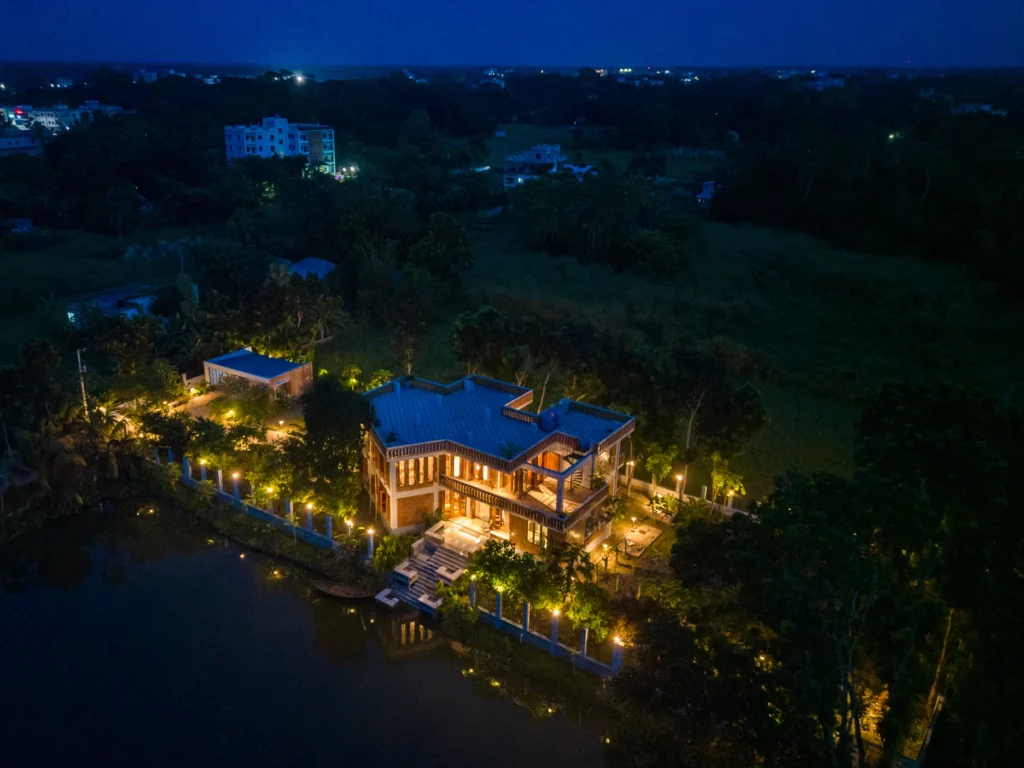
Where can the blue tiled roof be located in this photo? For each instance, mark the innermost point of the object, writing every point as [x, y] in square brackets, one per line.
[471, 415]
[250, 363]
[312, 266]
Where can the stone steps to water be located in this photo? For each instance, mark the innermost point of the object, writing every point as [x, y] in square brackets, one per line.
[426, 565]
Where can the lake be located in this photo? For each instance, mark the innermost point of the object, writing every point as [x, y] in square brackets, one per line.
[148, 641]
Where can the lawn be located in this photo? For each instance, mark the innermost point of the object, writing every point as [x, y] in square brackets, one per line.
[821, 326]
[69, 264]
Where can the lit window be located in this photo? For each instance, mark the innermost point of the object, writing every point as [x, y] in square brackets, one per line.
[537, 534]
[455, 466]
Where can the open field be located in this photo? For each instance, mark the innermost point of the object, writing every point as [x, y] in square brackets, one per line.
[818, 327]
[70, 264]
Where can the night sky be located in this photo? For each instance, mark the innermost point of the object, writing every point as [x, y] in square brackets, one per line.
[613, 32]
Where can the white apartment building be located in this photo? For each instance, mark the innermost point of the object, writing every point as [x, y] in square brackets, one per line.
[277, 137]
[57, 117]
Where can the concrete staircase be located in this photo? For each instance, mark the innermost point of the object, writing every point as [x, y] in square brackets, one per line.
[425, 563]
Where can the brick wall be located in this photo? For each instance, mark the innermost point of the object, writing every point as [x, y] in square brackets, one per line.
[411, 509]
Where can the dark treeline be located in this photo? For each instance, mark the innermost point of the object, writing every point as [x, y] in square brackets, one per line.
[881, 164]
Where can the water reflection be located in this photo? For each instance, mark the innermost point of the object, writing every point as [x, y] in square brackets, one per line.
[142, 634]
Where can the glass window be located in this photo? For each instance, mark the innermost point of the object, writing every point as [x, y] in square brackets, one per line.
[456, 465]
[537, 534]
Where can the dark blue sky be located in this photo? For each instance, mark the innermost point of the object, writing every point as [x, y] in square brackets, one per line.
[634, 32]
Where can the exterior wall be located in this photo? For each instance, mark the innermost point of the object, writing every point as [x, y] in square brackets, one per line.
[298, 381]
[517, 533]
[275, 137]
[413, 509]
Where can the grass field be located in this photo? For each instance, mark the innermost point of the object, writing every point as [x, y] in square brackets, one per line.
[70, 264]
[823, 326]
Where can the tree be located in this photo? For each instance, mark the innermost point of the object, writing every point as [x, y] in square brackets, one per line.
[659, 461]
[445, 250]
[589, 607]
[724, 481]
[479, 339]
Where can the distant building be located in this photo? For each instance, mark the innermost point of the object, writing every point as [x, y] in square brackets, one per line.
[258, 370]
[58, 117]
[125, 301]
[64, 82]
[531, 164]
[312, 266]
[706, 194]
[13, 142]
[144, 76]
[276, 137]
[974, 109]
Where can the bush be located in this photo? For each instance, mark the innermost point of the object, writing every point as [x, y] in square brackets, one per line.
[390, 551]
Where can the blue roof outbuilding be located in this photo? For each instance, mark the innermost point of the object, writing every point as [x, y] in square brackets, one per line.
[254, 365]
[311, 266]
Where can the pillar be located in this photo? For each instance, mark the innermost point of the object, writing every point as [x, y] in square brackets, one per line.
[584, 637]
[234, 481]
[288, 511]
[704, 492]
[526, 616]
[309, 519]
[156, 455]
[497, 604]
[560, 495]
[202, 472]
[616, 658]
[170, 456]
[330, 528]
[186, 468]
[220, 481]
[472, 593]
[554, 629]
[369, 547]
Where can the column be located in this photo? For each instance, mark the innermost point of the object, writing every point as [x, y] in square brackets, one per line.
[617, 658]
[560, 495]
[392, 512]
[186, 468]
[554, 628]
[369, 544]
[156, 455]
[234, 481]
[526, 616]
[472, 591]
[288, 511]
[309, 519]
[614, 462]
[584, 637]
[330, 527]
[170, 456]
[497, 604]
[220, 481]
[202, 470]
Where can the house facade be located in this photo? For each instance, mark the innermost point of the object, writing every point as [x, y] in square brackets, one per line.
[276, 137]
[493, 469]
[258, 370]
[534, 162]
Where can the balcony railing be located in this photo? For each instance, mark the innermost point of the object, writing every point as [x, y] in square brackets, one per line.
[586, 507]
[546, 518]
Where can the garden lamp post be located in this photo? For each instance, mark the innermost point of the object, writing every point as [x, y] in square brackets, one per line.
[679, 488]
[369, 543]
[234, 480]
[202, 469]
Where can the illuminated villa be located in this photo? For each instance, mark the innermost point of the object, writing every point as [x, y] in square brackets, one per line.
[492, 469]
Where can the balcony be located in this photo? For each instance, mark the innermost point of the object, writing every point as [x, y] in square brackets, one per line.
[536, 504]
